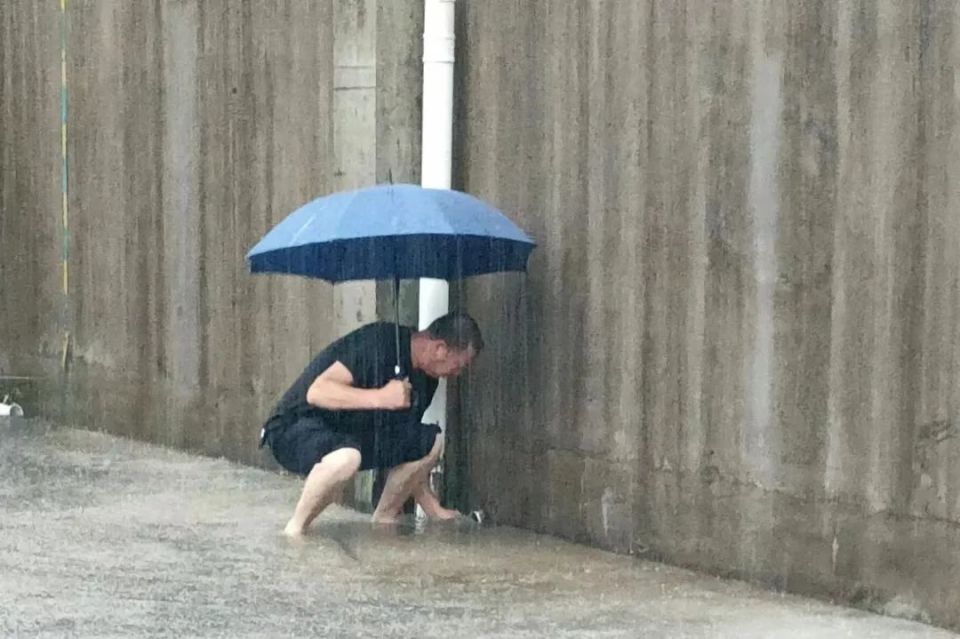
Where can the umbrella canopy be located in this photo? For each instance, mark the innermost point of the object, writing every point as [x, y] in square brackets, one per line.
[396, 231]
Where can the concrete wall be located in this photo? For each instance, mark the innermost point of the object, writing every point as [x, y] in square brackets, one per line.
[737, 347]
[193, 127]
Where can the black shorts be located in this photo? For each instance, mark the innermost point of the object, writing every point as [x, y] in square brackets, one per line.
[297, 446]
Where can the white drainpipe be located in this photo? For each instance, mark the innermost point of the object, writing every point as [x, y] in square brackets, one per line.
[436, 165]
[437, 152]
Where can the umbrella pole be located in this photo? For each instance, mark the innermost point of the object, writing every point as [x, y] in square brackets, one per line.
[396, 308]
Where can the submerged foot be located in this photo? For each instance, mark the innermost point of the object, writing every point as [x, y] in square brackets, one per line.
[445, 514]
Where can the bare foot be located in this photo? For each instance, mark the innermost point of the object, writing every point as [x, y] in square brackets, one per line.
[445, 514]
[385, 520]
[293, 531]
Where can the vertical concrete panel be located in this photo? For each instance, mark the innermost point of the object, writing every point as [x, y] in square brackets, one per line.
[893, 165]
[949, 470]
[807, 166]
[672, 238]
[354, 132]
[729, 285]
[182, 227]
[568, 123]
[691, 437]
[937, 446]
[806, 170]
[610, 492]
[399, 89]
[597, 254]
[399, 94]
[878, 211]
[113, 202]
[101, 147]
[853, 271]
[760, 445]
[31, 326]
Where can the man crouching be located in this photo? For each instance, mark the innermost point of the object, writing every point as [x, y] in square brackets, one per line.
[347, 412]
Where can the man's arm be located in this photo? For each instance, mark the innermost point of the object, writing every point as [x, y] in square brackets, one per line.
[333, 389]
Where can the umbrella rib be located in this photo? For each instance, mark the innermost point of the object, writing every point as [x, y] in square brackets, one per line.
[306, 225]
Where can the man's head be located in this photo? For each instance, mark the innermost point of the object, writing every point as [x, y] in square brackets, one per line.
[447, 345]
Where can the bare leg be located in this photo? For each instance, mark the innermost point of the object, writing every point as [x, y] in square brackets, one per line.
[401, 483]
[324, 484]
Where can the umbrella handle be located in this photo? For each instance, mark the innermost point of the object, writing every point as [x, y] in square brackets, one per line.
[398, 374]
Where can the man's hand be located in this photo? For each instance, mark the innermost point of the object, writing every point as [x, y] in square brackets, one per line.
[396, 395]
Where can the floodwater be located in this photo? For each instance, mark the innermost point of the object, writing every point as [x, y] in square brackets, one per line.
[104, 537]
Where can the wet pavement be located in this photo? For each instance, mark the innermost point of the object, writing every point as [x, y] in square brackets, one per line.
[104, 537]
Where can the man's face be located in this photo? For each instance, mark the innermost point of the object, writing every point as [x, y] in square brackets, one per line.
[448, 362]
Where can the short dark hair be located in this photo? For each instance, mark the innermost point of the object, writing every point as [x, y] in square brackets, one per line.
[458, 331]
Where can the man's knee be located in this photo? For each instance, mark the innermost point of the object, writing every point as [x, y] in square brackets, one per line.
[434, 455]
[343, 463]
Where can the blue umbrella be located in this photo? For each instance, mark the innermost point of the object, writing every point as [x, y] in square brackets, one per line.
[396, 231]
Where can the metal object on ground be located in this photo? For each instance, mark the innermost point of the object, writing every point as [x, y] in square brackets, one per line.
[20, 395]
[10, 409]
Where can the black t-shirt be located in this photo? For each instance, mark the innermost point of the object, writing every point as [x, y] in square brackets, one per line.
[370, 354]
